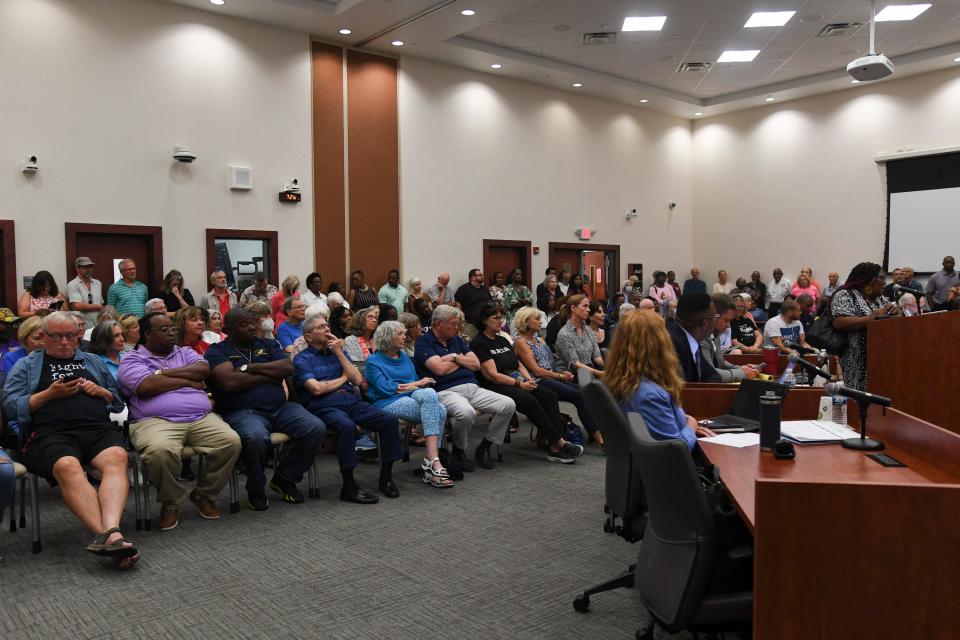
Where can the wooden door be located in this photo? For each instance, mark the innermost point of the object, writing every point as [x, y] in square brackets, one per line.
[505, 256]
[107, 244]
[595, 274]
[9, 292]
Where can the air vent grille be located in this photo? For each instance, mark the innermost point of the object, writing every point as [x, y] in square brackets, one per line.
[694, 67]
[600, 37]
[839, 29]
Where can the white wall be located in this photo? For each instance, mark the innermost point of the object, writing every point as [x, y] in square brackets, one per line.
[487, 157]
[796, 183]
[101, 90]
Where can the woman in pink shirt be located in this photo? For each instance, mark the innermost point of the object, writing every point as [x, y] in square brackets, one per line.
[803, 286]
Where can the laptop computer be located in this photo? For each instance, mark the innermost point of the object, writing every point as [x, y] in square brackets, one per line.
[744, 414]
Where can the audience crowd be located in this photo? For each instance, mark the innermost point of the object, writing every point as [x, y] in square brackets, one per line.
[223, 375]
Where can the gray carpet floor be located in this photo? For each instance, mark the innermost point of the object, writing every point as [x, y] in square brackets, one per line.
[499, 556]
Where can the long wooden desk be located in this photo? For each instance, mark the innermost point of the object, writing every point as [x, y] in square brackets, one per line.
[844, 547]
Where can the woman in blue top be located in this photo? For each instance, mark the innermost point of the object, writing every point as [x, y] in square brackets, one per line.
[108, 343]
[30, 336]
[393, 386]
[643, 374]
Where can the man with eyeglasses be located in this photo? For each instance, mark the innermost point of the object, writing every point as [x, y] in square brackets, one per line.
[61, 398]
[693, 324]
[85, 293]
[128, 295]
[291, 328]
[170, 409]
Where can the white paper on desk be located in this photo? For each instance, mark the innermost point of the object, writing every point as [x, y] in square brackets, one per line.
[738, 440]
[816, 431]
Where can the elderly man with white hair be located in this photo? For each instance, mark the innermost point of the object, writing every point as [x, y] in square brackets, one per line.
[440, 293]
[443, 355]
[219, 298]
[62, 397]
[154, 305]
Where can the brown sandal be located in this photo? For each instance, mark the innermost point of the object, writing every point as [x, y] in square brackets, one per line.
[115, 549]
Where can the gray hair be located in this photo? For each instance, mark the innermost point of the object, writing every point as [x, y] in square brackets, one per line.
[334, 298]
[907, 299]
[311, 323]
[318, 308]
[625, 307]
[385, 333]
[213, 275]
[57, 317]
[414, 281]
[408, 320]
[444, 313]
[522, 316]
[151, 302]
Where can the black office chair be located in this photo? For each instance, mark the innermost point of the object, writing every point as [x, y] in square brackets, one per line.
[625, 500]
[676, 570]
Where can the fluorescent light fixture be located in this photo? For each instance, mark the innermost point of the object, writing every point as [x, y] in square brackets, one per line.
[769, 18]
[769, 99]
[651, 23]
[496, 65]
[897, 12]
[738, 56]
[698, 113]
[956, 59]
[468, 12]
[217, 2]
[854, 82]
[578, 84]
[345, 31]
[397, 43]
[644, 101]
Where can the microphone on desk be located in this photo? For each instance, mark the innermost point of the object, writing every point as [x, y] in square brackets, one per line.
[899, 289]
[837, 389]
[864, 400]
[809, 367]
[790, 344]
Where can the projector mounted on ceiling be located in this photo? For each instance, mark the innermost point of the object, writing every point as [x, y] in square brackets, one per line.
[872, 66]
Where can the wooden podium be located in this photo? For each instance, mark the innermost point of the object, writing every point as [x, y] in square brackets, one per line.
[914, 362]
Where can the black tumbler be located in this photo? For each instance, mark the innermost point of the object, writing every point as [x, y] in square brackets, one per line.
[769, 420]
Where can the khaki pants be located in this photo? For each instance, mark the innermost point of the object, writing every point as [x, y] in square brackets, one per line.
[160, 442]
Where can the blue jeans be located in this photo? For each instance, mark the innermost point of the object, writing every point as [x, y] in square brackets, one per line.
[254, 427]
[423, 407]
[567, 392]
[7, 478]
[344, 411]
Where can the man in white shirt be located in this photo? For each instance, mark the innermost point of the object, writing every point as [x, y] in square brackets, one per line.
[563, 282]
[777, 290]
[85, 293]
[785, 326]
[314, 292]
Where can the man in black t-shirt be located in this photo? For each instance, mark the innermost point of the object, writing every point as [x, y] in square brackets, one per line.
[61, 398]
[472, 297]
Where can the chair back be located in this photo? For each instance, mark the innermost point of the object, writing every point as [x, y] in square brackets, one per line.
[623, 486]
[678, 554]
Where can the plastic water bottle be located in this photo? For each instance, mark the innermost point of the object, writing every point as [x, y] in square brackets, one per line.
[839, 410]
[788, 378]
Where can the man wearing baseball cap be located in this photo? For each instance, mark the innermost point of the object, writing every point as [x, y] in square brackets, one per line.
[85, 293]
[9, 322]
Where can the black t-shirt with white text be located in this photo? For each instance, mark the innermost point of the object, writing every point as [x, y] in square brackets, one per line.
[78, 410]
[499, 350]
[742, 329]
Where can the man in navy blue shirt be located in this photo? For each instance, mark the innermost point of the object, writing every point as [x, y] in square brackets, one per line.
[246, 377]
[694, 284]
[444, 356]
[329, 380]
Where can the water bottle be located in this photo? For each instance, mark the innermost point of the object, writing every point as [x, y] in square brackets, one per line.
[839, 414]
[788, 378]
[801, 379]
[769, 420]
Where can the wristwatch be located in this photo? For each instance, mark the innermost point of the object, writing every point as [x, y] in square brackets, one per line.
[243, 367]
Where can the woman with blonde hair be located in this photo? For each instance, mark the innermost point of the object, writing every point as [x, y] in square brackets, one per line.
[130, 327]
[289, 288]
[643, 375]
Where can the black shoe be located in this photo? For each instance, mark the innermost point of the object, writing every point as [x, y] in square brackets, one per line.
[287, 490]
[560, 456]
[482, 455]
[454, 468]
[358, 495]
[389, 489]
[257, 500]
[573, 450]
[186, 471]
[461, 456]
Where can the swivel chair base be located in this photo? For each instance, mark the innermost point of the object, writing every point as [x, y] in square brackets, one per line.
[623, 581]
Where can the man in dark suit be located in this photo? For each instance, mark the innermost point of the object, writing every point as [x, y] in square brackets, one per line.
[693, 324]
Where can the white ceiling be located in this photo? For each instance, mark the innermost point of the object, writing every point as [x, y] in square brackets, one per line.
[541, 41]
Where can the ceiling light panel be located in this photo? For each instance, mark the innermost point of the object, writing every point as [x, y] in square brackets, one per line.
[650, 23]
[738, 56]
[897, 12]
[769, 19]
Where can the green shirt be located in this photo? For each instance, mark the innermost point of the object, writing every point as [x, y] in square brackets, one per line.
[128, 299]
[394, 296]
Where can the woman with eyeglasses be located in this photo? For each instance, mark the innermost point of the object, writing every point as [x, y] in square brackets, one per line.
[107, 342]
[174, 294]
[130, 327]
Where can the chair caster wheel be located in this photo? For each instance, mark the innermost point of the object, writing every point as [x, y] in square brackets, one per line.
[582, 603]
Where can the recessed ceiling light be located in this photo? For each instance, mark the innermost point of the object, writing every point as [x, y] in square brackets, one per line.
[956, 59]
[345, 31]
[854, 82]
[468, 12]
[217, 2]
[397, 43]
[578, 84]
[769, 99]
[698, 113]
[896, 12]
[738, 56]
[644, 101]
[496, 65]
[769, 18]
[651, 23]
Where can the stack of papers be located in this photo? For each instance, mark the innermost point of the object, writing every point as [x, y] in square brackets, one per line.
[816, 431]
[738, 440]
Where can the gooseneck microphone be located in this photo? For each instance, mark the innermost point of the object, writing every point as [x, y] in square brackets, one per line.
[899, 288]
[837, 389]
[790, 344]
[809, 367]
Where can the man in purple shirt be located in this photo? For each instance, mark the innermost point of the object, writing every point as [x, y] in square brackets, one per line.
[169, 409]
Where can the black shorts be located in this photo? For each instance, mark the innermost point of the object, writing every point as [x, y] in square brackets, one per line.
[42, 449]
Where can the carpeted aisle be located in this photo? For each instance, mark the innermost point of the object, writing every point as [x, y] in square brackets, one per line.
[499, 556]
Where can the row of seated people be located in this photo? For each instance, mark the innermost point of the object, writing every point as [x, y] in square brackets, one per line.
[59, 398]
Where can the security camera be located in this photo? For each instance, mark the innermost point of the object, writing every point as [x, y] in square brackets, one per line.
[293, 185]
[29, 164]
[183, 154]
[672, 205]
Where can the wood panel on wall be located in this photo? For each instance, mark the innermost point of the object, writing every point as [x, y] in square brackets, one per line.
[329, 226]
[373, 165]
